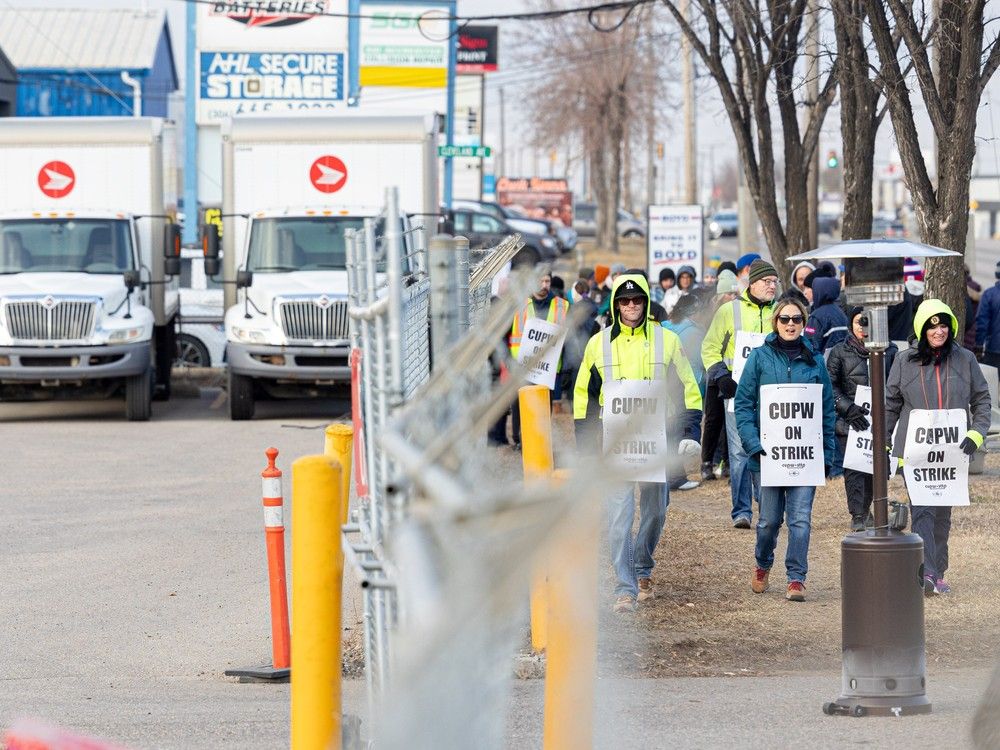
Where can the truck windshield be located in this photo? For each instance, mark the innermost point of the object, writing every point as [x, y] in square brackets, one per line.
[60, 245]
[303, 243]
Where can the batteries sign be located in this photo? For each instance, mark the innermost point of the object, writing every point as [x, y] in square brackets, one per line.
[675, 236]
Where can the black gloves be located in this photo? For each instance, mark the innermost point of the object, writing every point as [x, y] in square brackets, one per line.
[857, 418]
[760, 453]
[968, 446]
[726, 386]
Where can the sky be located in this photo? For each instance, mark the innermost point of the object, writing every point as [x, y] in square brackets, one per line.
[715, 143]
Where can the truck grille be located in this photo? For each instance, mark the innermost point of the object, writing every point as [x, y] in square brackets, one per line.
[50, 319]
[305, 320]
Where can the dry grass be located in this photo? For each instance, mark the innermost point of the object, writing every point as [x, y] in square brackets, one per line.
[706, 621]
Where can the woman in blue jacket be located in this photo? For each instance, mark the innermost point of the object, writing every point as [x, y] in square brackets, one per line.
[785, 357]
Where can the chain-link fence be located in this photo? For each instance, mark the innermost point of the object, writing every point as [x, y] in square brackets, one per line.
[392, 327]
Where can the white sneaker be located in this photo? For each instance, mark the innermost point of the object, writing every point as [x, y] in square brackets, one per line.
[689, 485]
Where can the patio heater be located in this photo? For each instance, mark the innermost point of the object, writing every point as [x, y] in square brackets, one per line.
[881, 568]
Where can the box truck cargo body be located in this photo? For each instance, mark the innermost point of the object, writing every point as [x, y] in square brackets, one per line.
[86, 308]
[292, 187]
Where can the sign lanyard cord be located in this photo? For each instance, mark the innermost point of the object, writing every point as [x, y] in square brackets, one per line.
[947, 378]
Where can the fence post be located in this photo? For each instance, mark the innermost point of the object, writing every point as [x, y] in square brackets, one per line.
[571, 650]
[461, 268]
[339, 444]
[317, 575]
[443, 313]
[536, 456]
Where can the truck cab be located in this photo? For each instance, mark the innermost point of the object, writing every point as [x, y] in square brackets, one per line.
[288, 333]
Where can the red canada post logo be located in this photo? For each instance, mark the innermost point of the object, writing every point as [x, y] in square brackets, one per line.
[328, 174]
[269, 13]
[56, 179]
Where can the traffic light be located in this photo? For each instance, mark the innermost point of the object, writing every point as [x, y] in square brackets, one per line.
[472, 121]
[831, 160]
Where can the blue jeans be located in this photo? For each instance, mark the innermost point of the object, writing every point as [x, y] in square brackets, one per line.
[632, 557]
[776, 504]
[743, 483]
[933, 525]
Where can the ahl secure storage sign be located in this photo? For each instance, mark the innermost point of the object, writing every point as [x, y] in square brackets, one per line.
[264, 57]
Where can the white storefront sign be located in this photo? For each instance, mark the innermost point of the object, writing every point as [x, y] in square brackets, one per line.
[635, 429]
[935, 468]
[791, 433]
[270, 58]
[674, 238]
[537, 335]
[858, 453]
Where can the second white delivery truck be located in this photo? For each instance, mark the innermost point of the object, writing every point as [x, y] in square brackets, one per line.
[291, 188]
[87, 308]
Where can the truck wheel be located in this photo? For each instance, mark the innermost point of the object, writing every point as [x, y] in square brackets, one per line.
[241, 404]
[191, 352]
[166, 345]
[139, 397]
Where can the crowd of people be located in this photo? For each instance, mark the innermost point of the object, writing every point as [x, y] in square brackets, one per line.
[732, 359]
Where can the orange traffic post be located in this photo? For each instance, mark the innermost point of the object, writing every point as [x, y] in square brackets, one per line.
[536, 457]
[274, 540]
[318, 569]
[571, 651]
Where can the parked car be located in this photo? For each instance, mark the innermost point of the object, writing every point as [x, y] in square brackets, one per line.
[566, 237]
[827, 223]
[885, 227]
[723, 224]
[585, 221]
[484, 230]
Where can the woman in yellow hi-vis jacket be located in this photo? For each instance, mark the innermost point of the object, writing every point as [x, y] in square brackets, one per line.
[635, 349]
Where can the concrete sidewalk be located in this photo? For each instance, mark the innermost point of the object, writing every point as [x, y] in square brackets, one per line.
[753, 712]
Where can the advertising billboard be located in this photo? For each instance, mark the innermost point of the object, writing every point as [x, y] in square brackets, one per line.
[537, 197]
[270, 57]
[403, 46]
[477, 49]
[675, 238]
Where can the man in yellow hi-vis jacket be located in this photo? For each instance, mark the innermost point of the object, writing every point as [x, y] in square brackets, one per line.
[633, 352]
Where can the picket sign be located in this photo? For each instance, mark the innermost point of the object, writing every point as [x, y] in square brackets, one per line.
[635, 429]
[535, 336]
[744, 343]
[935, 468]
[858, 454]
[791, 432]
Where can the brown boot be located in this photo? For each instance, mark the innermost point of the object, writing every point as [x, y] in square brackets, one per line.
[646, 589]
[758, 582]
[796, 592]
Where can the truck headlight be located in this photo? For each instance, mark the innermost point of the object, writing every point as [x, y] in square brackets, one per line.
[548, 242]
[247, 335]
[125, 334]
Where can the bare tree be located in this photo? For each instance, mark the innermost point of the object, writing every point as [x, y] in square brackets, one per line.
[601, 96]
[951, 96]
[752, 51]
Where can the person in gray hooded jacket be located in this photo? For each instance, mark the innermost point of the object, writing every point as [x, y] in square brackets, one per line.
[937, 374]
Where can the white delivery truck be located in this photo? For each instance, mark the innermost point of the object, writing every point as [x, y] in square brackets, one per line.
[291, 187]
[86, 246]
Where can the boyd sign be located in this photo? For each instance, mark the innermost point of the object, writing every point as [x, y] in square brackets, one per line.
[674, 238]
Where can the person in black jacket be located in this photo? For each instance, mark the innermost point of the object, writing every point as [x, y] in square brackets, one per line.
[827, 324]
[848, 367]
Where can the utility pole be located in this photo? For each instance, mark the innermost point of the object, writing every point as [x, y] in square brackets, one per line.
[812, 95]
[503, 135]
[690, 144]
[746, 215]
[651, 160]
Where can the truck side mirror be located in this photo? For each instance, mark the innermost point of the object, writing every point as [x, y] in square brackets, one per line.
[131, 279]
[210, 241]
[171, 249]
[244, 279]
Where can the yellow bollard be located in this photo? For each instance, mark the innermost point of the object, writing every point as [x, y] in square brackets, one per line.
[536, 457]
[339, 444]
[317, 576]
[571, 651]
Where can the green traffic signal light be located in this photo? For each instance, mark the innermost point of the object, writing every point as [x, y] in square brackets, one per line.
[831, 160]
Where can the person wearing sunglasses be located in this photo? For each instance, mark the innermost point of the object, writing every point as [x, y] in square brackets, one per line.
[938, 374]
[786, 357]
[635, 352]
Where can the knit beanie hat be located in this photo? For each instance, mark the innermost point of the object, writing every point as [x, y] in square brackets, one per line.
[746, 260]
[666, 273]
[912, 270]
[727, 283]
[997, 272]
[761, 269]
